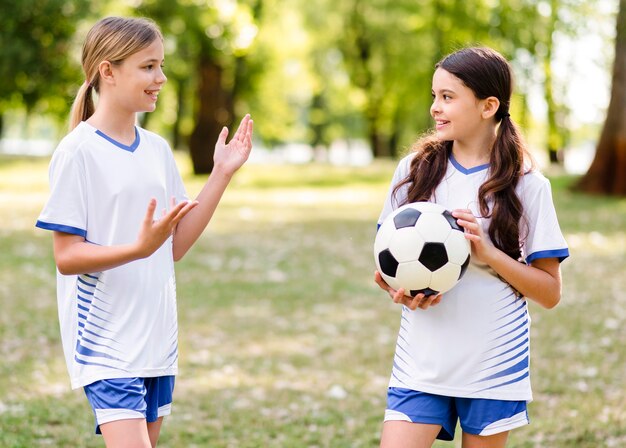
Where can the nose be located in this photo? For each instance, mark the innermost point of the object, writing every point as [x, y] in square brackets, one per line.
[434, 108]
[161, 78]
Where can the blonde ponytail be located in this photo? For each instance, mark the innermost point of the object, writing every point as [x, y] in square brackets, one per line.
[83, 106]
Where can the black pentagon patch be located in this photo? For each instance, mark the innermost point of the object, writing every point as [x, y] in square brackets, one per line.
[426, 291]
[464, 266]
[406, 218]
[452, 220]
[433, 256]
[388, 264]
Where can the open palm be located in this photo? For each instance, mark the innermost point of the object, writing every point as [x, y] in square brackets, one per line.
[229, 157]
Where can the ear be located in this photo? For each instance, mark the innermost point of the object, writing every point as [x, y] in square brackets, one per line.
[105, 68]
[490, 106]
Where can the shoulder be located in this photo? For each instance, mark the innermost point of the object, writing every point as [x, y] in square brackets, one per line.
[532, 183]
[404, 165]
[152, 138]
[73, 145]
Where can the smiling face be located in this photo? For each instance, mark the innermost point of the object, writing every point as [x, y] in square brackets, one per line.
[139, 78]
[458, 113]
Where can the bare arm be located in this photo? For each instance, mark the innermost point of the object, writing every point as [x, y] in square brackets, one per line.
[228, 158]
[74, 255]
[541, 281]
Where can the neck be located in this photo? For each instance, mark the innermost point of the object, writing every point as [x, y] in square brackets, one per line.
[114, 122]
[474, 151]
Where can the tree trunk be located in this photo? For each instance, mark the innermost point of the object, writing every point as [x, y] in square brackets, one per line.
[607, 173]
[212, 114]
[378, 149]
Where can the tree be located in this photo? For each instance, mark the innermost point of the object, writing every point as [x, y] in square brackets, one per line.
[606, 173]
[213, 42]
[35, 39]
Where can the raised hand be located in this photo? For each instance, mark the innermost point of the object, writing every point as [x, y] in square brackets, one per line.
[229, 157]
[419, 301]
[154, 233]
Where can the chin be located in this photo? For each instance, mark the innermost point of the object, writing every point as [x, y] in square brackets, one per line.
[444, 136]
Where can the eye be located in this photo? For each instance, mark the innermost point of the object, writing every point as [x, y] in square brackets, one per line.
[446, 97]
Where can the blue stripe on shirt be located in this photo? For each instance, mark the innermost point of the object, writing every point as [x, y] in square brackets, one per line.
[61, 228]
[561, 254]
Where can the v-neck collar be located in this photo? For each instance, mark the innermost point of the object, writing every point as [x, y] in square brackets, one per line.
[128, 148]
[464, 170]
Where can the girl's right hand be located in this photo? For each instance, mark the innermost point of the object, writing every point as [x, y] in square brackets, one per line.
[419, 301]
[154, 233]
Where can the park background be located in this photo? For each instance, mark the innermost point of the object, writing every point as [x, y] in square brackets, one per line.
[284, 339]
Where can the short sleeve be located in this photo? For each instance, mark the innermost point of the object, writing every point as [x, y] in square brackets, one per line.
[66, 208]
[393, 200]
[543, 238]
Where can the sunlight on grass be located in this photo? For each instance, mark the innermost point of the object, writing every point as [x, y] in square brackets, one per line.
[609, 243]
[284, 339]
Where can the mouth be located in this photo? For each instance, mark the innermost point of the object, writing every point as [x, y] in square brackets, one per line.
[154, 94]
[441, 123]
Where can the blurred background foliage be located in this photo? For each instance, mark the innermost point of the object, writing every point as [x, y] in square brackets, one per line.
[312, 72]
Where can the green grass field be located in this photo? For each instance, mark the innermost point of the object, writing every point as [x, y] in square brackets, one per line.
[284, 339]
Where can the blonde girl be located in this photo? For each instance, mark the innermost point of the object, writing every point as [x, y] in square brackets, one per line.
[120, 218]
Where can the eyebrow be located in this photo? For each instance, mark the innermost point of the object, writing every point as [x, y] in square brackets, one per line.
[444, 91]
[152, 60]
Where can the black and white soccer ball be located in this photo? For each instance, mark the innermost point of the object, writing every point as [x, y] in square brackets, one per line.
[421, 248]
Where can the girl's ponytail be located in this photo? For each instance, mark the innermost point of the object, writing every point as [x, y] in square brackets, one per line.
[507, 166]
[83, 106]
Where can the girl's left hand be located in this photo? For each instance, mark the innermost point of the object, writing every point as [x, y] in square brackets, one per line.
[229, 157]
[481, 246]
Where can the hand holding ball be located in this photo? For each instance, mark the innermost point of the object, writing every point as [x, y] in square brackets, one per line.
[421, 248]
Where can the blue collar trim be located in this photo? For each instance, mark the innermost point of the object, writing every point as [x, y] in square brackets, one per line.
[464, 170]
[130, 148]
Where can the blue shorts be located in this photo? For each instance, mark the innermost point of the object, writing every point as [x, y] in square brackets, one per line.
[477, 415]
[128, 398]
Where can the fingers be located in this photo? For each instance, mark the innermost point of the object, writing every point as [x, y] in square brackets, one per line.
[242, 130]
[179, 212]
[221, 139]
[422, 301]
[399, 296]
[466, 219]
[173, 216]
[248, 136]
[150, 212]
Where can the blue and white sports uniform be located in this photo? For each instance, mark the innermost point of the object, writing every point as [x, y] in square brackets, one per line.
[122, 322]
[475, 343]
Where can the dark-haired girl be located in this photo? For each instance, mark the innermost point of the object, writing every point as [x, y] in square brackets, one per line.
[467, 358]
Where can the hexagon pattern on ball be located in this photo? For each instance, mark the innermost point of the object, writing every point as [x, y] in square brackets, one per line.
[420, 247]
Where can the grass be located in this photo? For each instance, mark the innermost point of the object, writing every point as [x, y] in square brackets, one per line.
[284, 339]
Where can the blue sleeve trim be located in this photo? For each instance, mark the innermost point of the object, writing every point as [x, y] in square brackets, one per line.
[61, 228]
[561, 254]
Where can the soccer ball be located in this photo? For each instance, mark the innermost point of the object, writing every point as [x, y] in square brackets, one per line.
[421, 248]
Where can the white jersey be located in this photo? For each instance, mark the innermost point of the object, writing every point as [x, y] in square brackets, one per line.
[475, 343]
[121, 322]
